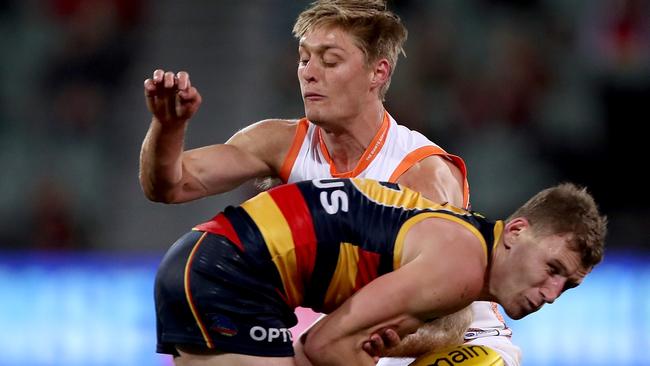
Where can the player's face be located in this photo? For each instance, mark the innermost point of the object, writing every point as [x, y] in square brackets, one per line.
[335, 80]
[540, 269]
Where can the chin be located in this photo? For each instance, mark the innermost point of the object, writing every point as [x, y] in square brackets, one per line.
[313, 116]
[514, 314]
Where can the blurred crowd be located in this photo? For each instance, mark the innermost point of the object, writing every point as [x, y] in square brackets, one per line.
[529, 93]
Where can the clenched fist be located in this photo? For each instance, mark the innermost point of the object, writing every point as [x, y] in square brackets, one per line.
[170, 97]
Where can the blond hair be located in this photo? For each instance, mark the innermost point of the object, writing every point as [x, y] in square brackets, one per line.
[378, 32]
[568, 209]
[434, 335]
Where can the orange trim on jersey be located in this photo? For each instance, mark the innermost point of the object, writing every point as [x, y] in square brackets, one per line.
[424, 152]
[188, 293]
[414, 157]
[292, 155]
[497, 313]
[368, 155]
[295, 210]
[460, 163]
[220, 225]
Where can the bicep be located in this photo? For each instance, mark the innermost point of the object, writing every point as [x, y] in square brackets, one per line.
[254, 152]
[427, 286]
[220, 168]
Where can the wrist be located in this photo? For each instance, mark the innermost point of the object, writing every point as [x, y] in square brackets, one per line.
[169, 126]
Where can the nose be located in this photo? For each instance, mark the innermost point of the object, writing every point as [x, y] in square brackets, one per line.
[552, 289]
[308, 71]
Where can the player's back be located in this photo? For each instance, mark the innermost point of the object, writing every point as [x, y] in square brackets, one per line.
[327, 238]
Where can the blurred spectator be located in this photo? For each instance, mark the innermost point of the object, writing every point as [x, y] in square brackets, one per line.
[52, 222]
[96, 50]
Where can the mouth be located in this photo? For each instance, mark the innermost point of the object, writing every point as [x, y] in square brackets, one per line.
[533, 307]
[313, 96]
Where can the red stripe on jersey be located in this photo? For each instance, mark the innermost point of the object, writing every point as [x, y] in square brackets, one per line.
[220, 225]
[292, 205]
[368, 264]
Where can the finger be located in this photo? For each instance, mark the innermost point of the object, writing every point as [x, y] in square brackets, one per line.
[183, 80]
[188, 95]
[149, 88]
[158, 76]
[377, 342]
[390, 338]
[169, 80]
[369, 349]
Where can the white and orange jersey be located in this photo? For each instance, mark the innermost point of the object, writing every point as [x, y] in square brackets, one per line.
[393, 151]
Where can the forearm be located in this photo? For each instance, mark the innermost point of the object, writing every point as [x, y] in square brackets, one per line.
[335, 353]
[161, 167]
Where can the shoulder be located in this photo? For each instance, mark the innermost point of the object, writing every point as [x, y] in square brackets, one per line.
[449, 255]
[437, 178]
[446, 238]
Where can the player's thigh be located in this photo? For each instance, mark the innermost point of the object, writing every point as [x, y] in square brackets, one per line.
[230, 359]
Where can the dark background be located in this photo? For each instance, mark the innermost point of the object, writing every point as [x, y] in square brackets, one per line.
[530, 93]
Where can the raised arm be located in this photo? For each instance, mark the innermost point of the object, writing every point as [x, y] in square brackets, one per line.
[171, 175]
[427, 286]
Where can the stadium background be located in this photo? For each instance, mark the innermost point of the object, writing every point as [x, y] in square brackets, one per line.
[529, 92]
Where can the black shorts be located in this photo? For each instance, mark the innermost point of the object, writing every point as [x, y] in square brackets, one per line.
[208, 293]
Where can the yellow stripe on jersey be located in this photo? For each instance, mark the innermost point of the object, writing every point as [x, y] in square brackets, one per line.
[498, 231]
[279, 241]
[386, 196]
[399, 241]
[344, 278]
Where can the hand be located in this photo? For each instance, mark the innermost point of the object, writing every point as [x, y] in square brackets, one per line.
[170, 97]
[380, 341]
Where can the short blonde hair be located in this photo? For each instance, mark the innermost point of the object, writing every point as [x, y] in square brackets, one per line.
[568, 209]
[435, 335]
[379, 32]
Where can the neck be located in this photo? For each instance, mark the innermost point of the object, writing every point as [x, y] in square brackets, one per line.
[491, 271]
[349, 138]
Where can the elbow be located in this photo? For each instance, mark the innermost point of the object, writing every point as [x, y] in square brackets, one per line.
[156, 197]
[156, 194]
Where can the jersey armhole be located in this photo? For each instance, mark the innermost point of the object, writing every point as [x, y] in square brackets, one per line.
[290, 159]
[401, 234]
[424, 152]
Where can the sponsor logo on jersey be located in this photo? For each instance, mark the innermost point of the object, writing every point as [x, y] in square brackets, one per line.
[459, 356]
[223, 325]
[261, 334]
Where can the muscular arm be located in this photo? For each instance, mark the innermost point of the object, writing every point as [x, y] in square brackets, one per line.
[171, 175]
[168, 174]
[445, 184]
[428, 285]
[437, 178]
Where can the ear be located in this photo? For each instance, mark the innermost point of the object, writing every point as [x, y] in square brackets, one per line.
[513, 229]
[380, 72]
